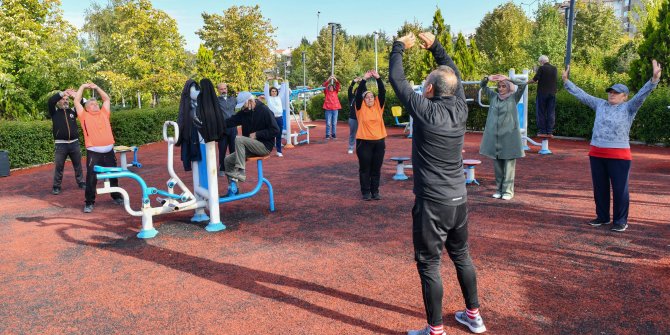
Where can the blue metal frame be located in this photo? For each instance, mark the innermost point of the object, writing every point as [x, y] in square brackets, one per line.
[261, 180]
[108, 173]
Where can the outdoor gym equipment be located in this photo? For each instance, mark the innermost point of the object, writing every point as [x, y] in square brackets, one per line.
[122, 150]
[204, 195]
[233, 190]
[400, 168]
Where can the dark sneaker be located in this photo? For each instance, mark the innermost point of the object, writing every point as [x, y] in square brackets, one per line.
[334, 136]
[88, 208]
[376, 196]
[619, 227]
[82, 186]
[118, 201]
[367, 197]
[597, 223]
[476, 325]
[55, 190]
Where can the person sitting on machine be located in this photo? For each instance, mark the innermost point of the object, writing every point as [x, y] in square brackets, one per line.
[259, 130]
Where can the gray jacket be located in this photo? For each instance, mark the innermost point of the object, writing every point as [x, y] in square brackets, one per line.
[611, 127]
[227, 105]
[502, 134]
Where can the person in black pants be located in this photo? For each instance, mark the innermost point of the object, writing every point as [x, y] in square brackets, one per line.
[66, 138]
[545, 101]
[440, 214]
[370, 135]
[227, 105]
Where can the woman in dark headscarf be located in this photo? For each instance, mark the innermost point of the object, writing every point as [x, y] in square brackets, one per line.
[213, 125]
[188, 135]
[502, 137]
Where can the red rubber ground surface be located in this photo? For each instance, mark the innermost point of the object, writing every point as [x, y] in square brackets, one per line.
[326, 262]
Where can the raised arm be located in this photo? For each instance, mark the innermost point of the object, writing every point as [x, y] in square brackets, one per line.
[77, 99]
[381, 94]
[636, 101]
[106, 101]
[362, 87]
[51, 104]
[485, 87]
[520, 88]
[266, 90]
[399, 83]
[433, 45]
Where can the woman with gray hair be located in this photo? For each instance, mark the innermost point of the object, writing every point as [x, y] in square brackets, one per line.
[502, 136]
[610, 155]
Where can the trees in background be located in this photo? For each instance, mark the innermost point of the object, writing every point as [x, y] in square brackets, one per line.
[656, 45]
[501, 36]
[39, 52]
[132, 49]
[548, 36]
[131, 38]
[242, 41]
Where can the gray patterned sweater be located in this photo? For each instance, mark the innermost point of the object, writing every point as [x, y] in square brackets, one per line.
[612, 125]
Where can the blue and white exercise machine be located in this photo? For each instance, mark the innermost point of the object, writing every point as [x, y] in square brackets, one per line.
[205, 193]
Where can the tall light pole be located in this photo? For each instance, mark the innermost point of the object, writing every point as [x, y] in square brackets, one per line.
[571, 21]
[376, 34]
[317, 23]
[333, 27]
[304, 85]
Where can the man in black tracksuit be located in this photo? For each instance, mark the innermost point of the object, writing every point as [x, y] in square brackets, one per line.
[66, 138]
[259, 129]
[440, 215]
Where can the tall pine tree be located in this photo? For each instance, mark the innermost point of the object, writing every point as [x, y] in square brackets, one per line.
[463, 58]
[656, 45]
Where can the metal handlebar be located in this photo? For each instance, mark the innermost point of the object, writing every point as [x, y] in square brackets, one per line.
[479, 99]
[176, 130]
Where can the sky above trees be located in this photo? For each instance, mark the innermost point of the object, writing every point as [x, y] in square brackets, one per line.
[297, 19]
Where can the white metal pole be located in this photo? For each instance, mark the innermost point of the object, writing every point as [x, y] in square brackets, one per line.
[376, 68]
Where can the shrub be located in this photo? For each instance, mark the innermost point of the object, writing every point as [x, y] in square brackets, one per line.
[31, 143]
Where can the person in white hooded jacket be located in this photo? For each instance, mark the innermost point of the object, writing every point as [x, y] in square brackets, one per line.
[274, 101]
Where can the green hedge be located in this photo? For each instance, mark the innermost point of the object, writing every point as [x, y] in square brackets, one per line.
[573, 118]
[31, 143]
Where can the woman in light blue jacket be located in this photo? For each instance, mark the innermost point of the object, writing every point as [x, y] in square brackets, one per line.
[610, 155]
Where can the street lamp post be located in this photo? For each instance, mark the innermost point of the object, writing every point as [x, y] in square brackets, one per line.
[333, 27]
[317, 23]
[571, 21]
[304, 85]
[376, 35]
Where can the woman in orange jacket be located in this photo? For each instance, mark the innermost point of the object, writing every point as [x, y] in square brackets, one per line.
[370, 144]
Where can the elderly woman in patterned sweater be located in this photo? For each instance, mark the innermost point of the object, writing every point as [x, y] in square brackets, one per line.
[610, 155]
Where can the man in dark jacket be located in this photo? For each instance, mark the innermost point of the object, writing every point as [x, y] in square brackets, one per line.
[227, 105]
[440, 214]
[259, 130]
[545, 102]
[66, 138]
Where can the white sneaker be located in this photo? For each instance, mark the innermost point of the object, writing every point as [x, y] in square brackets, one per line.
[279, 154]
[497, 195]
[350, 151]
[507, 196]
[476, 325]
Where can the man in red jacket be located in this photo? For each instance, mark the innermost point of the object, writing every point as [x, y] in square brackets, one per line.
[331, 104]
